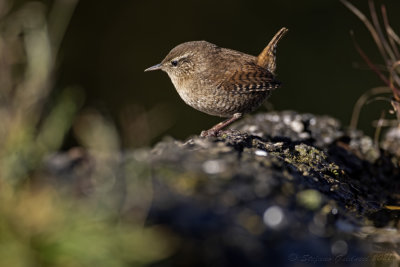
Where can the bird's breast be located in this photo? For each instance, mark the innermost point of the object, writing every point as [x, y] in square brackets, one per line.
[207, 97]
[197, 94]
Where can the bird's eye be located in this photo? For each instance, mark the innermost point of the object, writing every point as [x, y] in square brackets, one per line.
[174, 63]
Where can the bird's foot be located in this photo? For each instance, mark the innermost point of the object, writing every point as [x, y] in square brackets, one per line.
[217, 129]
[210, 133]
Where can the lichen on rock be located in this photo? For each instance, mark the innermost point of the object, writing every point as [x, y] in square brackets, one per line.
[296, 180]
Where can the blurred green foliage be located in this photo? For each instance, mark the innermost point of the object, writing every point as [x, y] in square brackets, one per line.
[43, 221]
[42, 228]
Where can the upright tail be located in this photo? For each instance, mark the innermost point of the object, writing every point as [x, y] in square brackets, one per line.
[267, 58]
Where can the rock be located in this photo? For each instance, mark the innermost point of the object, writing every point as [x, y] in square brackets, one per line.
[280, 189]
[391, 141]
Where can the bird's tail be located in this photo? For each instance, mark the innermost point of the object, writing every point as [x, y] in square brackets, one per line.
[267, 58]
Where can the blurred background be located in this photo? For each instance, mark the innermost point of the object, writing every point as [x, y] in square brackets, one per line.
[72, 80]
[109, 44]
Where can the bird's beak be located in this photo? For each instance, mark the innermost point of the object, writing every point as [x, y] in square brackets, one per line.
[155, 67]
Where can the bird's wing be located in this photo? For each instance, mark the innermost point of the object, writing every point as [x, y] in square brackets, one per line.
[249, 78]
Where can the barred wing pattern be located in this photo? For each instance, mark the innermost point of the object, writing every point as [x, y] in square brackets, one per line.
[249, 79]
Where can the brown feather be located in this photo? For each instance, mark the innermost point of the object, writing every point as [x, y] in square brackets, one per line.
[267, 57]
[250, 78]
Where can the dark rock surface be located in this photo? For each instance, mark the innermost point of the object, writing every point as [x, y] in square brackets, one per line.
[282, 189]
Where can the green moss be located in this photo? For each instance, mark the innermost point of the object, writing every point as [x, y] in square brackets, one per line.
[308, 154]
[308, 159]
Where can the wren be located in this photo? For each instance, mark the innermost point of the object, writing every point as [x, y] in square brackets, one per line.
[220, 81]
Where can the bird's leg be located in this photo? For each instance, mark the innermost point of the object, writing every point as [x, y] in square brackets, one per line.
[217, 128]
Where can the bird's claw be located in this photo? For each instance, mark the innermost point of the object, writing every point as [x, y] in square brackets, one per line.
[210, 133]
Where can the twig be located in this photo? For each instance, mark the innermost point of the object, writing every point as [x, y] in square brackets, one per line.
[389, 31]
[396, 108]
[368, 61]
[394, 76]
[395, 37]
[361, 102]
[368, 24]
[381, 37]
